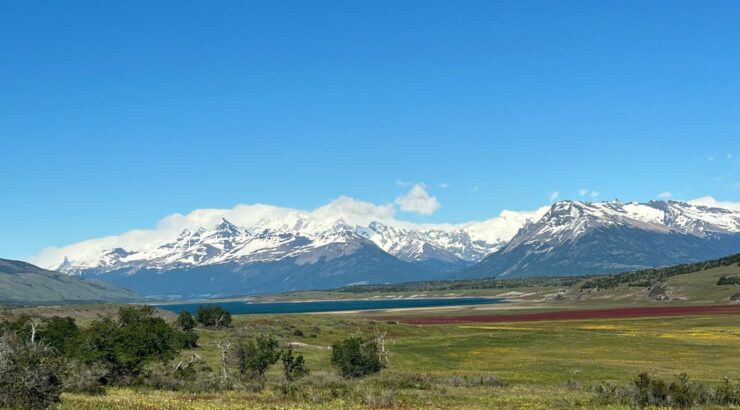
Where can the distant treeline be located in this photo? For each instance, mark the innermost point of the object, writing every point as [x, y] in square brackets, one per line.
[484, 283]
[649, 277]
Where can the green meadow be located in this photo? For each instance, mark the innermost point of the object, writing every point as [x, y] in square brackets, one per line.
[557, 364]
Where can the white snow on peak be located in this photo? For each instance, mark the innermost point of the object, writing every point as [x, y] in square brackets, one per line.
[265, 233]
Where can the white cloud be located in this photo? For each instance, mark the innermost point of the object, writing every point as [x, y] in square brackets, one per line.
[261, 216]
[474, 189]
[418, 201]
[553, 195]
[665, 195]
[504, 226]
[586, 191]
[711, 202]
[350, 210]
[443, 185]
[403, 183]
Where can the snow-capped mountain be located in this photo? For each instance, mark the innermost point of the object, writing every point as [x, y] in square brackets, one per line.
[293, 237]
[581, 237]
[299, 251]
[294, 252]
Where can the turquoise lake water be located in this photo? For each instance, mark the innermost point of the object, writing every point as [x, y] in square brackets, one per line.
[331, 305]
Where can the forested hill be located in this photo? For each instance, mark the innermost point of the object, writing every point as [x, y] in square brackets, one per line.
[648, 277]
[24, 283]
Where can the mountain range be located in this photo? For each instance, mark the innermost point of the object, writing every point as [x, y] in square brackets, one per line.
[305, 252]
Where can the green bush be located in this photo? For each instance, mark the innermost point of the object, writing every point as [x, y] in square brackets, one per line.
[255, 356]
[728, 280]
[185, 321]
[294, 367]
[727, 394]
[647, 391]
[356, 357]
[213, 316]
[124, 346]
[188, 339]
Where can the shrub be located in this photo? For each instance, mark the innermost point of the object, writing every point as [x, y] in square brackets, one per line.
[683, 393]
[650, 391]
[59, 333]
[30, 375]
[185, 321]
[213, 316]
[727, 394]
[126, 345]
[356, 357]
[82, 378]
[255, 356]
[294, 367]
[728, 280]
[298, 333]
[188, 339]
[647, 391]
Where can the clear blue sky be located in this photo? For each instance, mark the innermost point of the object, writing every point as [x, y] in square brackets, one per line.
[114, 114]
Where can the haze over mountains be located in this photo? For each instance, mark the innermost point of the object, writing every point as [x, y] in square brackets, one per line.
[309, 250]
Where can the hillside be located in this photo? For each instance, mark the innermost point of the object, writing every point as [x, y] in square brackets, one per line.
[23, 283]
[691, 283]
[694, 283]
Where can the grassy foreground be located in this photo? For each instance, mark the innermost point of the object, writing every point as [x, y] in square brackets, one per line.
[541, 364]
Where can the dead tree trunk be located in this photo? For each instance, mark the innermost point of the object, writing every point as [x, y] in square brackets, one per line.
[36, 325]
[382, 352]
[223, 348]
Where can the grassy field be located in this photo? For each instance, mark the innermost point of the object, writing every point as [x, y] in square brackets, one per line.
[513, 365]
[544, 364]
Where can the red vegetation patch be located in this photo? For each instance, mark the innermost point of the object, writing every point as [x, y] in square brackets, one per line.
[578, 314]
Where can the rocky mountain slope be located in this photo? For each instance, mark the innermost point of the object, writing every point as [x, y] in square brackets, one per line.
[587, 238]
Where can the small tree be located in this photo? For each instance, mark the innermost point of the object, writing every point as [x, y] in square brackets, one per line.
[255, 356]
[356, 357]
[60, 333]
[124, 346]
[294, 367]
[213, 316]
[185, 321]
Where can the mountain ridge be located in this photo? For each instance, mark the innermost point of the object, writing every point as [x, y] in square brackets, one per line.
[571, 237]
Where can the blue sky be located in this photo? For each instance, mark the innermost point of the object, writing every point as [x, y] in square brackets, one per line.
[115, 114]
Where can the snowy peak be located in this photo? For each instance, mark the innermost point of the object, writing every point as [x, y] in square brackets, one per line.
[568, 220]
[306, 238]
[697, 219]
[226, 229]
[575, 237]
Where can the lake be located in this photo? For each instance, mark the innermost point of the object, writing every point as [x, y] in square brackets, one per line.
[239, 308]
